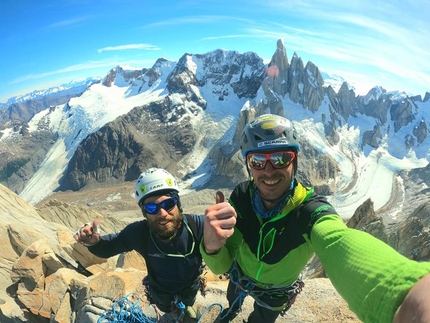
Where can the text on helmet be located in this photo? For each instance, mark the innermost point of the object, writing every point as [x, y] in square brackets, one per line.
[273, 142]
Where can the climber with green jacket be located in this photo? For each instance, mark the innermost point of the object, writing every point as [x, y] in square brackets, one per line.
[271, 227]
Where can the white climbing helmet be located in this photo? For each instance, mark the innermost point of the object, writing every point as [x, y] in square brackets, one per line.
[154, 180]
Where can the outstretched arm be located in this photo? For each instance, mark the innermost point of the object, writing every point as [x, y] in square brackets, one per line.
[416, 305]
[371, 276]
[129, 238]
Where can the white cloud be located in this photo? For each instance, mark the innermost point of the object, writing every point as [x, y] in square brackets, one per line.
[72, 68]
[90, 65]
[201, 19]
[128, 47]
[69, 23]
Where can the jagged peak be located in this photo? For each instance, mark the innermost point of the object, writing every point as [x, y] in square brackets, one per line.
[280, 58]
[374, 94]
[344, 88]
[121, 75]
[161, 62]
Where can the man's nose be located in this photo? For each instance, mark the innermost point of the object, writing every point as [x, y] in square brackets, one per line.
[269, 166]
[163, 212]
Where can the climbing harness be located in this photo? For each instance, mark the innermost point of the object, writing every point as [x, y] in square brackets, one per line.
[125, 310]
[247, 286]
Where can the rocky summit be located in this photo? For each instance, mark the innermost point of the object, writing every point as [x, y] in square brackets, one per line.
[45, 276]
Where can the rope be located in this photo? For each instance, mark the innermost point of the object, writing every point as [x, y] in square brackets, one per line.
[207, 310]
[125, 311]
[239, 298]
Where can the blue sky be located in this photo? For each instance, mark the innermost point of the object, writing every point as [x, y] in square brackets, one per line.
[46, 43]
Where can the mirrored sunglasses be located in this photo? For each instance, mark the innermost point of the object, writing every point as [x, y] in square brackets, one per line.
[154, 208]
[279, 159]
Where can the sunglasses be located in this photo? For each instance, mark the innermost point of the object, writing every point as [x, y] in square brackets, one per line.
[279, 159]
[154, 208]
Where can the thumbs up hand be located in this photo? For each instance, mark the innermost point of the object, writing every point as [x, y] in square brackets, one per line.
[220, 219]
[219, 197]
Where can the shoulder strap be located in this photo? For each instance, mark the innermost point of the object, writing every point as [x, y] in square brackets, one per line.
[145, 245]
[192, 223]
[314, 208]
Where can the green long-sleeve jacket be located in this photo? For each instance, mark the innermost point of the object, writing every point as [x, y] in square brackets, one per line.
[371, 276]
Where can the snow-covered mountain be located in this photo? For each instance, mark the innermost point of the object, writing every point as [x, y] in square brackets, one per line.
[186, 116]
[335, 81]
[71, 88]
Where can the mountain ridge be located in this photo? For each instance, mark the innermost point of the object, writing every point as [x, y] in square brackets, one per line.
[186, 117]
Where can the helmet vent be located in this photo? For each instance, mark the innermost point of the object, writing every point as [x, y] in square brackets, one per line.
[264, 131]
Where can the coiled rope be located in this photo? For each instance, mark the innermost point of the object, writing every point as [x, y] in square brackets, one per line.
[125, 311]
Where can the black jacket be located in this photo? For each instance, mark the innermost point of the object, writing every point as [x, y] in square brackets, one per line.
[171, 266]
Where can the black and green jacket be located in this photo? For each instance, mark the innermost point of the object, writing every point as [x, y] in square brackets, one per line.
[371, 276]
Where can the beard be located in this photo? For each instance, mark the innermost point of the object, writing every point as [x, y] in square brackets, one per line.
[165, 232]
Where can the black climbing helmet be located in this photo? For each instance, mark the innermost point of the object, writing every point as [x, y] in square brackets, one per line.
[269, 131]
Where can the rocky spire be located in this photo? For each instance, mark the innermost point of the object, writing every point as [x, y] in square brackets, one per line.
[277, 71]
